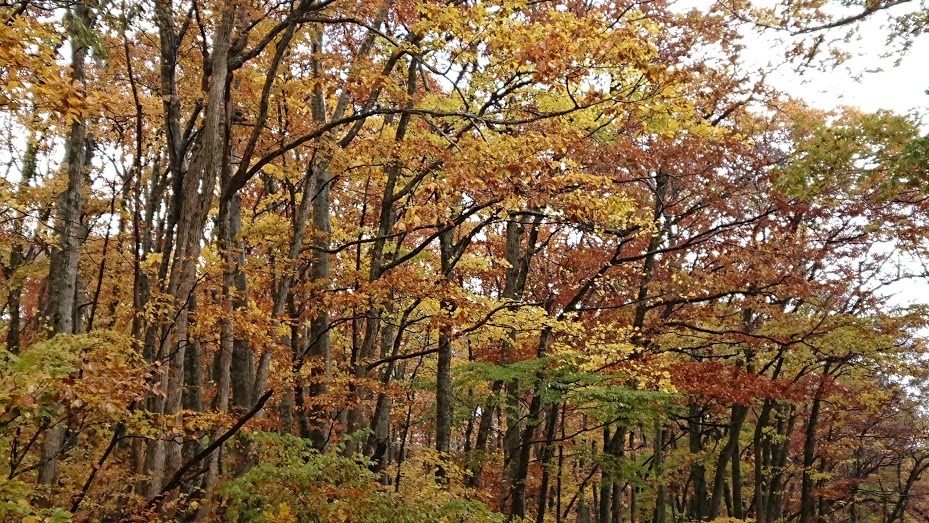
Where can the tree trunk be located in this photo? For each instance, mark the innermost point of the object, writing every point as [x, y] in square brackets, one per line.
[807, 501]
[548, 451]
[920, 464]
[760, 443]
[230, 225]
[282, 294]
[661, 491]
[320, 345]
[610, 496]
[242, 364]
[736, 481]
[63, 266]
[699, 503]
[606, 482]
[483, 431]
[533, 420]
[378, 443]
[444, 407]
[775, 502]
[17, 256]
[735, 427]
[196, 197]
[386, 219]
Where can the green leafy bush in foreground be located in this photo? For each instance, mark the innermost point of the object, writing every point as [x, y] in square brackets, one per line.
[292, 483]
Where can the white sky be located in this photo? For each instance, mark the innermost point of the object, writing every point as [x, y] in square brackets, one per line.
[869, 80]
[899, 88]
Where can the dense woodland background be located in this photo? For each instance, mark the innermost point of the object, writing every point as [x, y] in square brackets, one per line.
[417, 260]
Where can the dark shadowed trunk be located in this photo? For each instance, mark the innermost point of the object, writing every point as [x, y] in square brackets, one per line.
[736, 418]
[699, 504]
[443, 427]
[807, 501]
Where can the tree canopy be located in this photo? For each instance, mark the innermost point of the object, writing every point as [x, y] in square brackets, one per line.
[415, 261]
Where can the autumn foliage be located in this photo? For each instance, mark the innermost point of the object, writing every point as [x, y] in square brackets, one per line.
[385, 260]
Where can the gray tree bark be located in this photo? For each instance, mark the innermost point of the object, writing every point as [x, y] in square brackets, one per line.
[63, 267]
[196, 196]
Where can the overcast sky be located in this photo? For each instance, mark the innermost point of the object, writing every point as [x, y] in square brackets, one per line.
[901, 88]
[880, 84]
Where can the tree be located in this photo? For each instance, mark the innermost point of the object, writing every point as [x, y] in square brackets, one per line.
[425, 261]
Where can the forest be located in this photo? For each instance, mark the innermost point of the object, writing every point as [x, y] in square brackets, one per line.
[382, 261]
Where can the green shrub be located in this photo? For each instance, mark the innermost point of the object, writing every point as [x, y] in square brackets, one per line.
[293, 483]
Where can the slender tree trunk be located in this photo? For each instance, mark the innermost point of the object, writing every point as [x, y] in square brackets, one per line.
[737, 482]
[63, 266]
[444, 398]
[230, 226]
[242, 364]
[606, 482]
[661, 492]
[320, 345]
[920, 464]
[760, 442]
[193, 372]
[386, 219]
[583, 513]
[283, 294]
[807, 501]
[518, 485]
[17, 255]
[735, 427]
[444, 407]
[378, 443]
[785, 427]
[401, 453]
[617, 502]
[319, 166]
[548, 451]
[617, 448]
[519, 261]
[699, 503]
[483, 431]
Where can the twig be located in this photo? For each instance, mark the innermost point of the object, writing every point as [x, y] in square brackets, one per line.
[117, 434]
[178, 477]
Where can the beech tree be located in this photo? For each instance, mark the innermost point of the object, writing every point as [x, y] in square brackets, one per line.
[323, 260]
